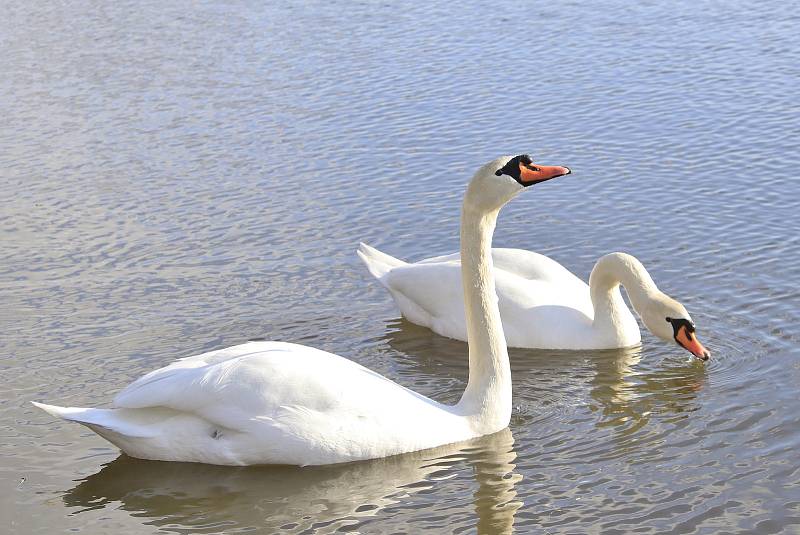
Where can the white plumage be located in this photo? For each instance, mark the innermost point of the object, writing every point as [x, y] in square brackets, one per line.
[269, 402]
[281, 403]
[542, 304]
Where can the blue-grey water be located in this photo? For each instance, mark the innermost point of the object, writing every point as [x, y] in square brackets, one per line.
[177, 177]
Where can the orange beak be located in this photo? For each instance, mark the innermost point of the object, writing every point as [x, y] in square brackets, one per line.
[533, 174]
[690, 342]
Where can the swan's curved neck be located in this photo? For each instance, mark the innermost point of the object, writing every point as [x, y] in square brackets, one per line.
[609, 272]
[487, 397]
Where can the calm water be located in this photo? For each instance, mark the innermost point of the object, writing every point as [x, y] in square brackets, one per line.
[179, 177]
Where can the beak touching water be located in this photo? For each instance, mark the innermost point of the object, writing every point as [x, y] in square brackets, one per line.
[689, 341]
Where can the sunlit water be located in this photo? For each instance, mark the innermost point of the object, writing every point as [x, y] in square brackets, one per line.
[180, 177]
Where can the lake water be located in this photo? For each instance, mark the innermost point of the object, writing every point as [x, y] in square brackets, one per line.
[180, 176]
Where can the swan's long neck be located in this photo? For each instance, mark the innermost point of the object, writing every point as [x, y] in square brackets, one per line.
[610, 311]
[487, 397]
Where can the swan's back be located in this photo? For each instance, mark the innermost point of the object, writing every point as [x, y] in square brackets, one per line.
[534, 267]
[528, 265]
[233, 386]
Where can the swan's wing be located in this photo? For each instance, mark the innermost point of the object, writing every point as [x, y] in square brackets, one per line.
[265, 381]
[453, 257]
[526, 264]
[430, 294]
[534, 266]
[165, 387]
[532, 289]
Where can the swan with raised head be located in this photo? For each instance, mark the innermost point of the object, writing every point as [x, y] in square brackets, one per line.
[542, 304]
[282, 403]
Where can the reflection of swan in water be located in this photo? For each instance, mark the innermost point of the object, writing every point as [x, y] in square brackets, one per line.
[624, 393]
[627, 396]
[621, 389]
[186, 496]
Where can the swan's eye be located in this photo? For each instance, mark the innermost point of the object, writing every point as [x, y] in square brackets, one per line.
[677, 323]
[512, 167]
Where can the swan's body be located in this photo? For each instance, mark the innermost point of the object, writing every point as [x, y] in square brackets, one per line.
[280, 403]
[542, 304]
[270, 403]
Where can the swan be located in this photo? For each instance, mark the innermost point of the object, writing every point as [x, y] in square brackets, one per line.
[542, 304]
[282, 403]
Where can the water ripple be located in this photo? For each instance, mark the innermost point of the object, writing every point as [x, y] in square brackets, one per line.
[178, 178]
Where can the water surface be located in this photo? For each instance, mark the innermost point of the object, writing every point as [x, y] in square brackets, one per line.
[179, 177]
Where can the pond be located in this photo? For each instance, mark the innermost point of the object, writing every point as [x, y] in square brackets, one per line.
[180, 177]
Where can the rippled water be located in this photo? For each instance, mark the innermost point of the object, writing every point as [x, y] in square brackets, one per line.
[179, 177]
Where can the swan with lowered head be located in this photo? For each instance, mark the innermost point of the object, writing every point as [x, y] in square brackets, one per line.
[542, 304]
[282, 403]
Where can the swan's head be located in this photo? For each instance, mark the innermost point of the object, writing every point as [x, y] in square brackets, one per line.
[669, 320]
[502, 179]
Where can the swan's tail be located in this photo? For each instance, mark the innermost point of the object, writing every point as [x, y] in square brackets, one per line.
[104, 422]
[157, 433]
[378, 263]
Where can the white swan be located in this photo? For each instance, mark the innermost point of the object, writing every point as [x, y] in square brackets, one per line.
[281, 403]
[542, 304]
